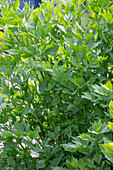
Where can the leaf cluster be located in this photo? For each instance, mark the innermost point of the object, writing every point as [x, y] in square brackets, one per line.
[56, 74]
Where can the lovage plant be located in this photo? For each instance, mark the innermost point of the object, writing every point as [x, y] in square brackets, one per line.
[50, 58]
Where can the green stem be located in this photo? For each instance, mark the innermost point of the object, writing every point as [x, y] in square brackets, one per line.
[97, 146]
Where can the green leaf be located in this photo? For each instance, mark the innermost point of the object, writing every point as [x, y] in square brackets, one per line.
[1, 75]
[100, 90]
[82, 164]
[68, 40]
[107, 149]
[26, 127]
[51, 85]
[88, 37]
[42, 17]
[18, 133]
[73, 163]
[61, 28]
[55, 111]
[110, 125]
[78, 81]
[79, 26]
[9, 134]
[84, 20]
[16, 4]
[25, 111]
[11, 162]
[18, 126]
[26, 56]
[35, 18]
[56, 101]
[50, 134]
[2, 45]
[1, 98]
[109, 85]
[73, 147]
[104, 128]
[78, 35]
[88, 96]
[56, 131]
[80, 2]
[36, 149]
[55, 162]
[31, 135]
[42, 86]
[97, 158]
[2, 35]
[91, 45]
[111, 105]
[52, 50]
[85, 136]
[40, 164]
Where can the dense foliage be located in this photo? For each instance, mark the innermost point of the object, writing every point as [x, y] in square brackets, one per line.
[56, 92]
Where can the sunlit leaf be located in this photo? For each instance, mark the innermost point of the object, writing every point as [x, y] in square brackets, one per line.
[16, 4]
[110, 125]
